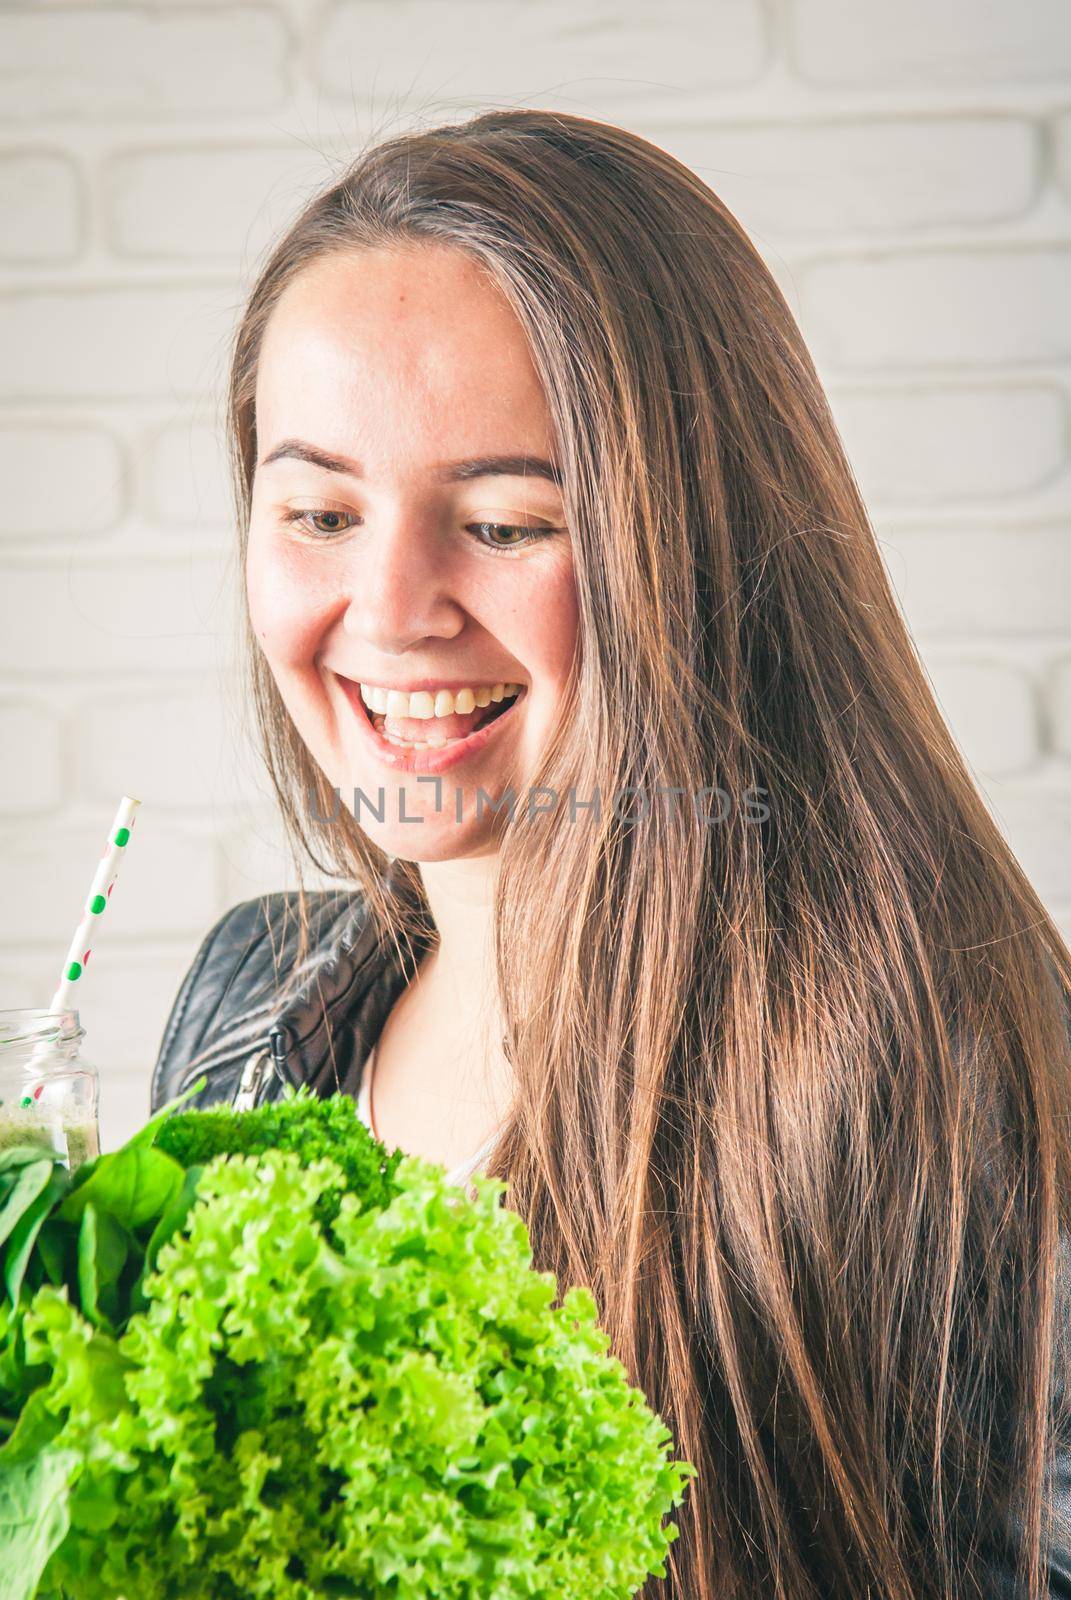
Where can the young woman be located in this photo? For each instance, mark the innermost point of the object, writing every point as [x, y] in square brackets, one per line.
[730, 973]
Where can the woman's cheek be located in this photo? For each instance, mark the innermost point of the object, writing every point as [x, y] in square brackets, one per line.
[558, 619]
[282, 610]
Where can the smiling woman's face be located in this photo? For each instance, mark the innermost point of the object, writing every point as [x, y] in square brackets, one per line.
[422, 566]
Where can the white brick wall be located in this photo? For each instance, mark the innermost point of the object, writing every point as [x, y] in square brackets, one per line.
[904, 169]
[969, 43]
[948, 308]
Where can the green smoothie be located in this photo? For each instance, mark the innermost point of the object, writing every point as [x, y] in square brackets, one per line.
[83, 1143]
[75, 1142]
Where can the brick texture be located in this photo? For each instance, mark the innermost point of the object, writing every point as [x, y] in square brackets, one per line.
[108, 62]
[111, 342]
[957, 308]
[976, 582]
[39, 462]
[919, 43]
[993, 708]
[42, 188]
[183, 480]
[922, 446]
[624, 43]
[91, 616]
[1060, 700]
[857, 174]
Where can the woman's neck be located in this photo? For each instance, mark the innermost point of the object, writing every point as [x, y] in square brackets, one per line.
[461, 897]
[442, 1081]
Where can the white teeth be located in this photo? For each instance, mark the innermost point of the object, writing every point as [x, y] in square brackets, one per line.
[433, 741]
[425, 704]
[384, 706]
[397, 704]
[421, 704]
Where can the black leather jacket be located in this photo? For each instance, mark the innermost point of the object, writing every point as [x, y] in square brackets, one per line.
[229, 1023]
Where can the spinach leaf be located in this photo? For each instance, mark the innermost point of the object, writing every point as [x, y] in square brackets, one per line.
[103, 1248]
[28, 1183]
[26, 1229]
[134, 1184]
[34, 1517]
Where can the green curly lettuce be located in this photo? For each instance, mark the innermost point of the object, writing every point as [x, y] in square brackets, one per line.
[383, 1403]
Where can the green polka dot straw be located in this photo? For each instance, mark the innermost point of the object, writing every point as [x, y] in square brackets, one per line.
[107, 871]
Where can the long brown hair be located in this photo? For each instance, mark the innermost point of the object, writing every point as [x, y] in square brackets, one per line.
[792, 1082]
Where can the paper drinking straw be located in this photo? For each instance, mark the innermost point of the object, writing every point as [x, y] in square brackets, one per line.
[96, 903]
[65, 997]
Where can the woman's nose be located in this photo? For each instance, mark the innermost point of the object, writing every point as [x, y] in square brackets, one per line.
[401, 584]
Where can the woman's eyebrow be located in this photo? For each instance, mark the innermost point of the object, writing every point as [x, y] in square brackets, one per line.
[520, 466]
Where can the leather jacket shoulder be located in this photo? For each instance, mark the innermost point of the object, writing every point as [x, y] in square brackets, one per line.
[251, 1020]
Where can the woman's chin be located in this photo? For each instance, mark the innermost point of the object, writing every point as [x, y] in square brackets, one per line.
[440, 839]
[430, 820]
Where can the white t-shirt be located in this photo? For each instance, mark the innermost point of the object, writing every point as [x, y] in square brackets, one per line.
[462, 1172]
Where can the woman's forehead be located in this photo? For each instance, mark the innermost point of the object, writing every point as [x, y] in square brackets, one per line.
[417, 306]
[354, 374]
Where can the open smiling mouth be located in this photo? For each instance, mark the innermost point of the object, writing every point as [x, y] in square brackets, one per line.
[443, 748]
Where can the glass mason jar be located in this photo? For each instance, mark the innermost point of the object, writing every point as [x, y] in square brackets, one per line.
[49, 1093]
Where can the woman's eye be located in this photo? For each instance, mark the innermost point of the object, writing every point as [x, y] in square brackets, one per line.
[519, 535]
[299, 517]
[529, 534]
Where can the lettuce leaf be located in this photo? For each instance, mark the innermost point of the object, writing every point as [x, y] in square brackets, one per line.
[253, 1355]
[398, 1405]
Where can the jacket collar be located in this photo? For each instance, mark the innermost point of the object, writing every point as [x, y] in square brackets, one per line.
[327, 1028]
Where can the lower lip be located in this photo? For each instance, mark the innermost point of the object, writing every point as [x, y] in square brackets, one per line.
[433, 759]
